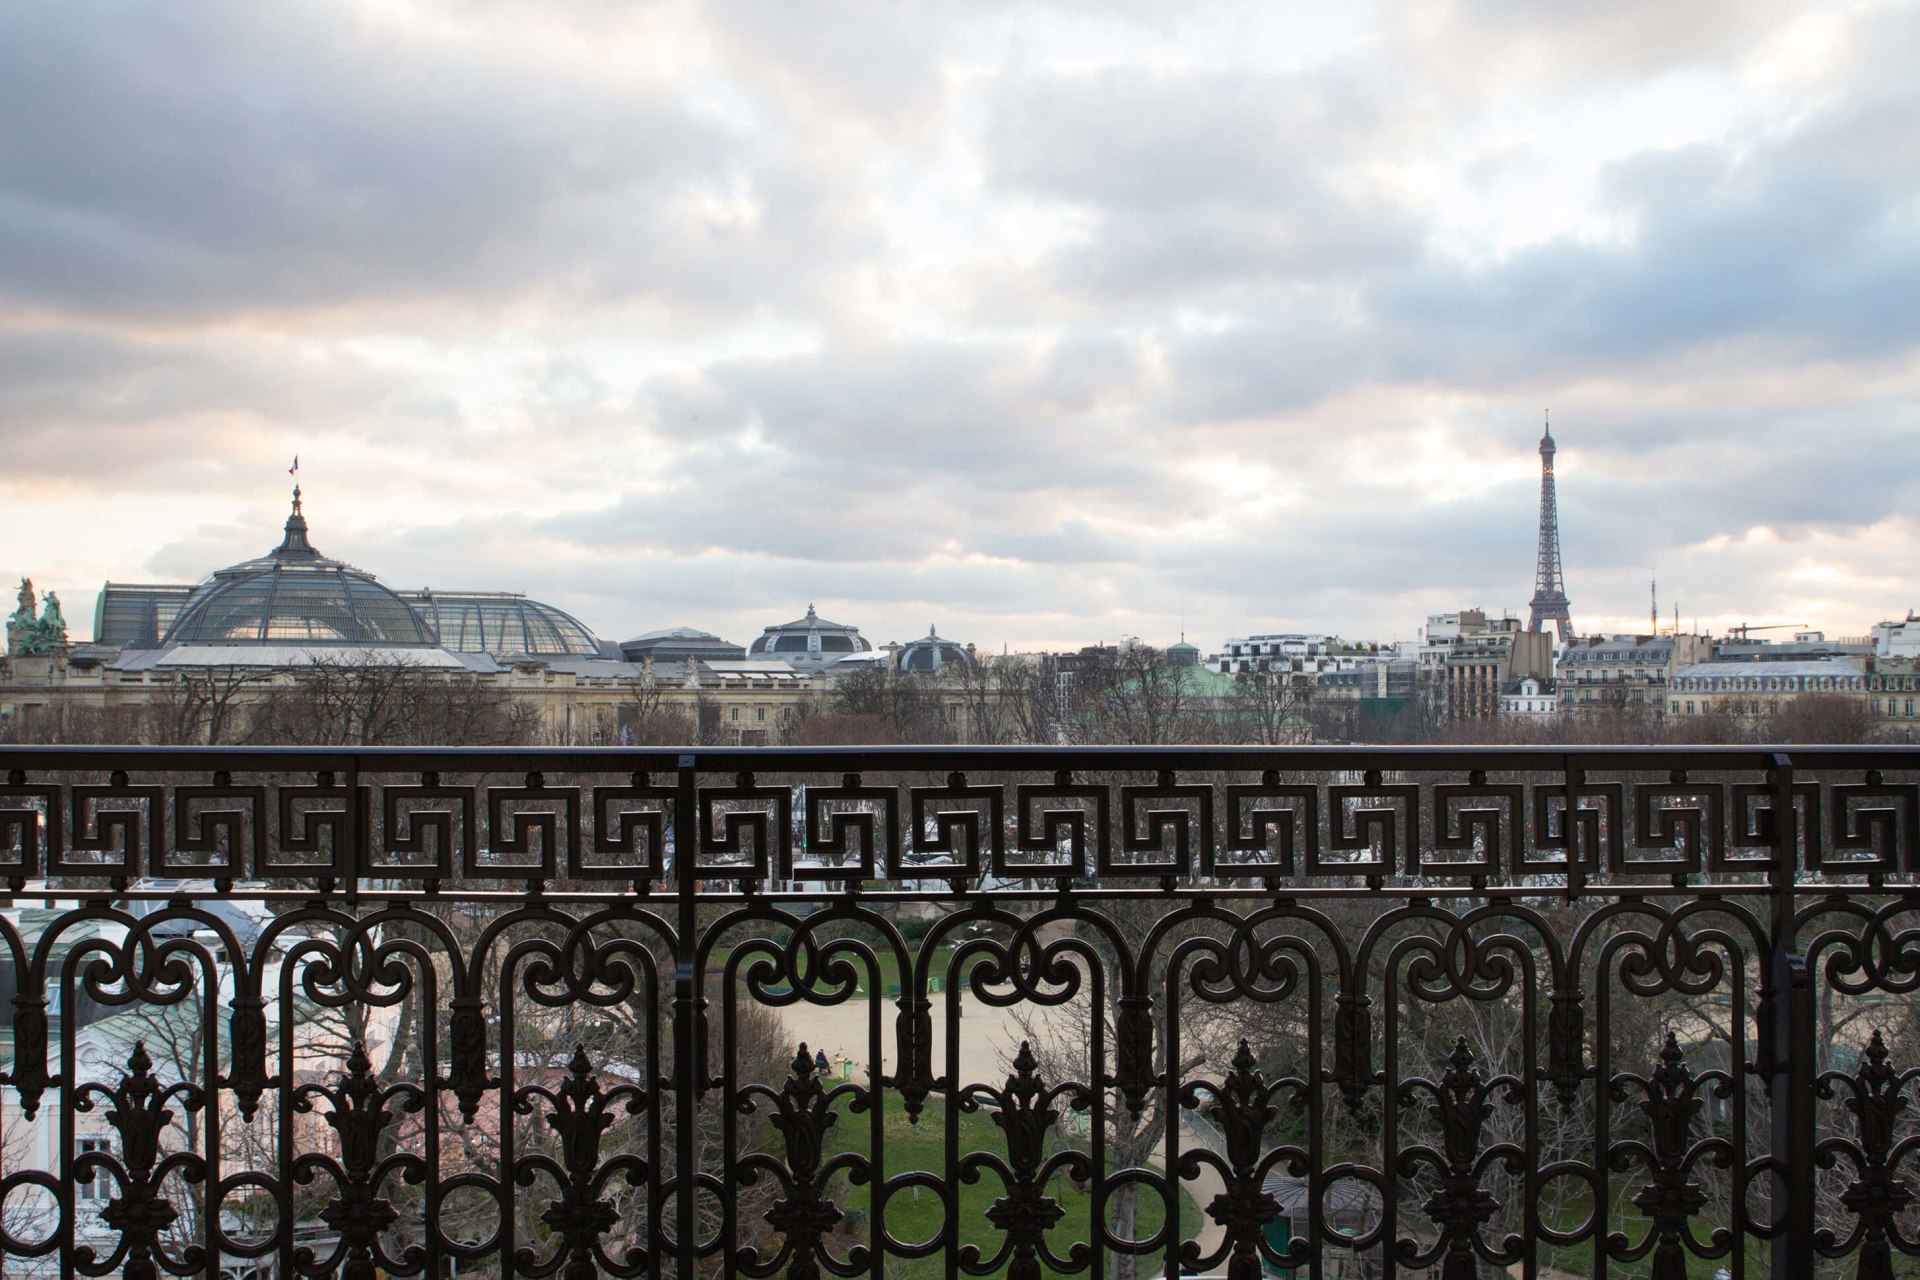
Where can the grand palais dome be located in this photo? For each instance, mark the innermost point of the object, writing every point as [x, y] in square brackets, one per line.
[293, 595]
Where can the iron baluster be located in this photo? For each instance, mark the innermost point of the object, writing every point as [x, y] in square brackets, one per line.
[1024, 1113]
[1787, 1010]
[1242, 1107]
[139, 1114]
[1460, 1206]
[29, 1076]
[1566, 1043]
[359, 1111]
[1352, 1048]
[580, 1114]
[1876, 1195]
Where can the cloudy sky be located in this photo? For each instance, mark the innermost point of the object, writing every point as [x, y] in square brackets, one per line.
[1042, 322]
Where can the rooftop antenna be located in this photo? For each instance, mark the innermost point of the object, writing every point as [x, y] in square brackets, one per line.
[1653, 596]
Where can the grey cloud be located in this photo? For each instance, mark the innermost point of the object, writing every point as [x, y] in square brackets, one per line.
[1287, 354]
[192, 411]
[240, 157]
[1796, 471]
[878, 65]
[975, 409]
[1487, 48]
[1799, 243]
[244, 202]
[1085, 371]
[1134, 139]
[738, 590]
[1204, 179]
[1804, 239]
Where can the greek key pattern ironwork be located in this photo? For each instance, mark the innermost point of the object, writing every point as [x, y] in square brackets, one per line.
[959, 1012]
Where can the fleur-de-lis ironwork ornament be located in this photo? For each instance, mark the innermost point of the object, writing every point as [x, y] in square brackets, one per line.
[1877, 1195]
[140, 1212]
[1024, 1112]
[1460, 1206]
[359, 1112]
[580, 1113]
[803, 1114]
[1669, 1197]
[1242, 1109]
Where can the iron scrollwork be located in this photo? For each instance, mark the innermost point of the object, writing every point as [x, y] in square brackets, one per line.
[359, 1111]
[1025, 1111]
[1876, 1194]
[1462, 1103]
[534, 1011]
[580, 1113]
[140, 1111]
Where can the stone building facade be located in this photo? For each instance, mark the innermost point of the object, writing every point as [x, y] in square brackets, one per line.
[265, 626]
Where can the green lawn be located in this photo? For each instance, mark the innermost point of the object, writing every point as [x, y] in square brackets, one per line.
[921, 1147]
[1629, 1219]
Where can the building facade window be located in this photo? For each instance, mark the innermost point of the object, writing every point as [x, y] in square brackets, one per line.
[97, 1186]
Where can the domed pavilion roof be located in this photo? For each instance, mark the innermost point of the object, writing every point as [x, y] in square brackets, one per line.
[809, 642]
[293, 595]
[930, 653]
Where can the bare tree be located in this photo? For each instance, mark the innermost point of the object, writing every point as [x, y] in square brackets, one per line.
[874, 705]
[1273, 708]
[987, 709]
[1134, 696]
[1030, 697]
[1823, 717]
[204, 704]
[647, 719]
[373, 701]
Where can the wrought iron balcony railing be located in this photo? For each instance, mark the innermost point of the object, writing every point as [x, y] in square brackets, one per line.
[959, 1012]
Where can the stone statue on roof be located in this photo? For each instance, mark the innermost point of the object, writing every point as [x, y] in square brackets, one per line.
[27, 634]
[22, 622]
[53, 623]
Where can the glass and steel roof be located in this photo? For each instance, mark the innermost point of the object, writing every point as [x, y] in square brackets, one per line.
[501, 623]
[295, 595]
[134, 615]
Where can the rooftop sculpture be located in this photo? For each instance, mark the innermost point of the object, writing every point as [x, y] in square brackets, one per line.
[28, 635]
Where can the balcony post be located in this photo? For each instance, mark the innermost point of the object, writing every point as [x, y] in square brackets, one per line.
[686, 1021]
[1790, 1047]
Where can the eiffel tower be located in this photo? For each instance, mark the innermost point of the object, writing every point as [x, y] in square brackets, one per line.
[1549, 591]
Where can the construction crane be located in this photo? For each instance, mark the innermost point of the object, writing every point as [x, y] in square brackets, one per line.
[1743, 628]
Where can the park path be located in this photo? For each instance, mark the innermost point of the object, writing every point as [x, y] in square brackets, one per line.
[989, 1038]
